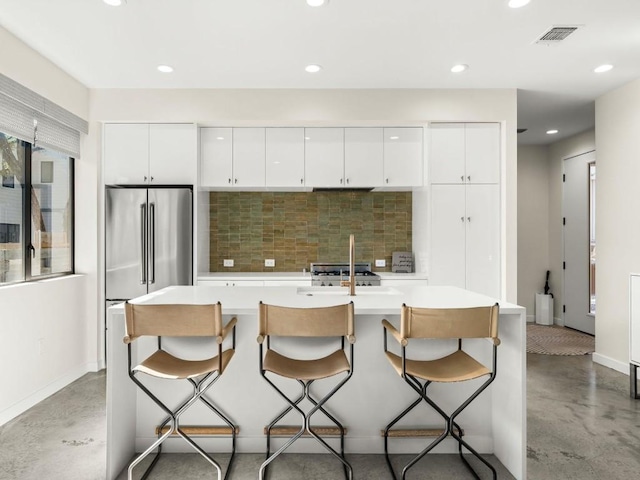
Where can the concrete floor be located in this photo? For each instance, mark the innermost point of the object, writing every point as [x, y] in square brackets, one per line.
[582, 424]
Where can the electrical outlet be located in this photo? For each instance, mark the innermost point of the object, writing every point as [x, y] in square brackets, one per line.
[269, 262]
[381, 263]
[228, 262]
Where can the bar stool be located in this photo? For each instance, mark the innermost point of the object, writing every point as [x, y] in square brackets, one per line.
[459, 366]
[180, 321]
[333, 321]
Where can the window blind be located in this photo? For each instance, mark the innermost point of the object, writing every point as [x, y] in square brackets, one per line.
[26, 115]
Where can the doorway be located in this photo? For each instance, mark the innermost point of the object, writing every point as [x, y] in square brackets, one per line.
[578, 210]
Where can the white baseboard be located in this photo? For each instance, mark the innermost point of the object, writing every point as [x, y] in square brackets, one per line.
[558, 321]
[611, 363]
[22, 406]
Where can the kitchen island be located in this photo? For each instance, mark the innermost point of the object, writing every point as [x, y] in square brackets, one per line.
[494, 423]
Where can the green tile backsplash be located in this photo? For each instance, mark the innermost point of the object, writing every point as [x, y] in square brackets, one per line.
[297, 229]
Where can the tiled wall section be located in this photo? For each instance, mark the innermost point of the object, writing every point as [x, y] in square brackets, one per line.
[296, 229]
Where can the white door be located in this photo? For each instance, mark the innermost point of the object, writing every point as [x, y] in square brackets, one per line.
[285, 157]
[448, 221]
[483, 239]
[575, 207]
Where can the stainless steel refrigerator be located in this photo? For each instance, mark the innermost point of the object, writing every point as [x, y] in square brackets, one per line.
[148, 240]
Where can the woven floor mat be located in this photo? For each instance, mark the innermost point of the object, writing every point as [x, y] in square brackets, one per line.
[554, 340]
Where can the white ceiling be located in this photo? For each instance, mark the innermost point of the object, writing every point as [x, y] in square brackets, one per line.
[359, 43]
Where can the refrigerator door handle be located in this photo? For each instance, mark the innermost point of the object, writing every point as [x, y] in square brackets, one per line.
[143, 243]
[152, 242]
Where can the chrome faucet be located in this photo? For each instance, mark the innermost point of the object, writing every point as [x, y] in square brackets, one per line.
[351, 283]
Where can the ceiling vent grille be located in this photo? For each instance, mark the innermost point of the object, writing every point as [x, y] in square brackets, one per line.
[556, 34]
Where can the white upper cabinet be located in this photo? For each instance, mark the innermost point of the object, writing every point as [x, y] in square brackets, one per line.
[363, 157]
[173, 154]
[249, 157]
[126, 154]
[464, 153]
[403, 158]
[156, 154]
[216, 157]
[285, 157]
[324, 157]
[482, 142]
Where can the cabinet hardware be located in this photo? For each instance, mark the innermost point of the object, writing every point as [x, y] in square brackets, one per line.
[462, 219]
[152, 179]
[229, 180]
[347, 181]
[468, 219]
[469, 178]
[387, 180]
[236, 180]
[340, 181]
[462, 177]
[301, 181]
[145, 178]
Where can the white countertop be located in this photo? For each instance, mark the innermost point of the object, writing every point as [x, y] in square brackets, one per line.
[296, 276]
[367, 301]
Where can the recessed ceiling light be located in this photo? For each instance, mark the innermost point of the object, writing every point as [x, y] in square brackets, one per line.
[552, 132]
[165, 68]
[115, 3]
[316, 3]
[219, 138]
[603, 68]
[461, 67]
[394, 138]
[313, 68]
[518, 3]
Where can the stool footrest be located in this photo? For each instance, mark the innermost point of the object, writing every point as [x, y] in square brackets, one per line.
[415, 432]
[202, 430]
[290, 430]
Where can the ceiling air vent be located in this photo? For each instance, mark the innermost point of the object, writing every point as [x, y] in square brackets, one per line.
[556, 34]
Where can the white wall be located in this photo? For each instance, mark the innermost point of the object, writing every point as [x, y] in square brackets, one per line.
[533, 224]
[48, 328]
[617, 219]
[570, 147]
[280, 107]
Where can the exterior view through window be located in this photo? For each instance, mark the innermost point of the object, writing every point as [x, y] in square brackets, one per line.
[36, 211]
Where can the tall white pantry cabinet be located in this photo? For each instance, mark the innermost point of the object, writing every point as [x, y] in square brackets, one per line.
[464, 176]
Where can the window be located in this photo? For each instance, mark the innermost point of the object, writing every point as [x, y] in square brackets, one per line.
[36, 211]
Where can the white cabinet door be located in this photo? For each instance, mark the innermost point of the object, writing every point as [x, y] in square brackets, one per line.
[483, 239]
[248, 157]
[403, 157]
[173, 154]
[285, 157]
[482, 145]
[324, 157]
[448, 221]
[126, 154]
[216, 157]
[363, 157]
[446, 153]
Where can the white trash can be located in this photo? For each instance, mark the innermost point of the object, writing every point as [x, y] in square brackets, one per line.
[544, 309]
